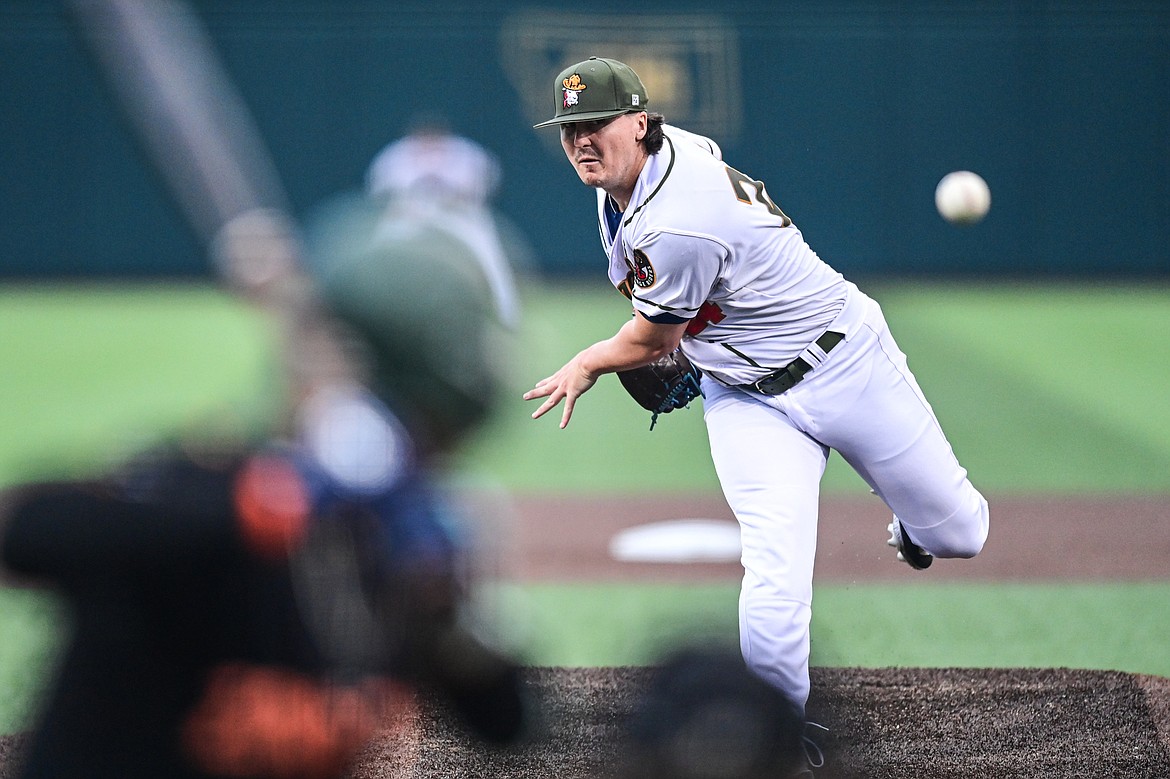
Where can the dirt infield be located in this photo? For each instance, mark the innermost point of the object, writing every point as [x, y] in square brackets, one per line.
[1007, 724]
[1121, 538]
[884, 723]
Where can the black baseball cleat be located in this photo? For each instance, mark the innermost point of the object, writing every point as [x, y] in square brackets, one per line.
[908, 552]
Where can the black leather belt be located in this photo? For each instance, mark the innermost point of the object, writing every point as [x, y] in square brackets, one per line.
[789, 376]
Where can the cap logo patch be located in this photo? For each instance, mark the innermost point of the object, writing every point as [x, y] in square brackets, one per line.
[634, 98]
[573, 87]
[643, 271]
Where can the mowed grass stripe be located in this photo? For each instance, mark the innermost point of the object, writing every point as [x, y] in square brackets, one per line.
[1121, 626]
[1116, 626]
[1042, 388]
[92, 373]
[1045, 388]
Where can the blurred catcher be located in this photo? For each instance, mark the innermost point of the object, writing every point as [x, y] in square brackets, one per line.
[264, 611]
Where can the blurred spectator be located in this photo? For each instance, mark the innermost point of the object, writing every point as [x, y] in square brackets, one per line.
[433, 173]
[432, 162]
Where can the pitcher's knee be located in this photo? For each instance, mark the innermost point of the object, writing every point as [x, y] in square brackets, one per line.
[962, 535]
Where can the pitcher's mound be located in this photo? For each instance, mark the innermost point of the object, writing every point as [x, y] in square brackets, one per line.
[884, 724]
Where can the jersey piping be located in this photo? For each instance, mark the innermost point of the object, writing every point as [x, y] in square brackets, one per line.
[773, 294]
[657, 189]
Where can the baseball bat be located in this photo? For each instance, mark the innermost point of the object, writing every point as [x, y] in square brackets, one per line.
[198, 133]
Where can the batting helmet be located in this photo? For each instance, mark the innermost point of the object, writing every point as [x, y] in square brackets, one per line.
[420, 304]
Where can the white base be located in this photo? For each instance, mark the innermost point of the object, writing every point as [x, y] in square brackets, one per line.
[678, 541]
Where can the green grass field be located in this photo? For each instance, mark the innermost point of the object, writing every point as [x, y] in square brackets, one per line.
[1056, 388]
[986, 625]
[1043, 389]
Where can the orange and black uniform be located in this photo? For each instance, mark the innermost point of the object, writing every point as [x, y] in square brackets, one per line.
[174, 609]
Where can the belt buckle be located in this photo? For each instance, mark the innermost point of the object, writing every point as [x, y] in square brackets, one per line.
[777, 383]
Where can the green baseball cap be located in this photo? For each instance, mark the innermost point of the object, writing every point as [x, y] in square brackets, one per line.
[598, 88]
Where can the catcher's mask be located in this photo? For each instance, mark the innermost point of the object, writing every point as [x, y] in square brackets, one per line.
[419, 302]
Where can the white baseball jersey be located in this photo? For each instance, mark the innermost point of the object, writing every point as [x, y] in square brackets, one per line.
[446, 165]
[702, 242]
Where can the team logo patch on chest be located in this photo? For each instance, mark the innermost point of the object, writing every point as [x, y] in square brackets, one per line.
[641, 271]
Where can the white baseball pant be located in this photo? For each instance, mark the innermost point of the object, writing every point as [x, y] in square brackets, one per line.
[770, 453]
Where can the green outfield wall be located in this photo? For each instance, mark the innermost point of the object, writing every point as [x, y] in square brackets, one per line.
[850, 112]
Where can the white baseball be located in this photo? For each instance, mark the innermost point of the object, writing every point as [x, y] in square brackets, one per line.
[962, 197]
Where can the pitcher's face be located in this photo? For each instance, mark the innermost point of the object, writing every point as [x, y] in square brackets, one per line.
[607, 153]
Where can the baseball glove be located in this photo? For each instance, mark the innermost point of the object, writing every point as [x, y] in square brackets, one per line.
[661, 386]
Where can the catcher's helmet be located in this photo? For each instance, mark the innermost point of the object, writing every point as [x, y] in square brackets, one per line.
[419, 301]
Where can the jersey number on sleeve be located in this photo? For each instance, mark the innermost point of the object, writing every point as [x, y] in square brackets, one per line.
[741, 183]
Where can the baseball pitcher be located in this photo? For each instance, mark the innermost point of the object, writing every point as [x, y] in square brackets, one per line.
[795, 359]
